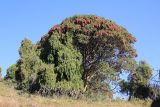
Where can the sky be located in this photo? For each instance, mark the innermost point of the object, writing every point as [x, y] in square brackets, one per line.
[32, 19]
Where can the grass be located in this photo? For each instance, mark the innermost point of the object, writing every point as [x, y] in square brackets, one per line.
[10, 98]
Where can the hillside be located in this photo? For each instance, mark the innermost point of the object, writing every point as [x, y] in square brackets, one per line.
[78, 59]
[10, 97]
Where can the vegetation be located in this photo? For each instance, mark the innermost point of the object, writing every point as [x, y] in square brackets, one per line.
[11, 72]
[10, 97]
[138, 82]
[82, 57]
[0, 72]
[31, 72]
[79, 55]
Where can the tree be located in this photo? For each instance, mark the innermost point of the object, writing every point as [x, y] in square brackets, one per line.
[138, 82]
[82, 53]
[31, 73]
[100, 42]
[66, 60]
[0, 72]
[11, 72]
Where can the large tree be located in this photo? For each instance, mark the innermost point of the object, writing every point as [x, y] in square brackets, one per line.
[106, 48]
[82, 53]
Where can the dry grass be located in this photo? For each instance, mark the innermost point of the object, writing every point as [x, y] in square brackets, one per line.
[10, 98]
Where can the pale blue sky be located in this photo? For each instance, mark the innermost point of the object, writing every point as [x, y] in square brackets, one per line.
[33, 18]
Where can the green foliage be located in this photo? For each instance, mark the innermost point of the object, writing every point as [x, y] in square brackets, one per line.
[138, 84]
[70, 85]
[32, 73]
[0, 72]
[46, 76]
[63, 69]
[81, 53]
[66, 59]
[11, 72]
[99, 80]
[98, 40]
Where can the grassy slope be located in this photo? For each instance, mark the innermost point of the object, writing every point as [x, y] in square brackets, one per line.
[10, 98]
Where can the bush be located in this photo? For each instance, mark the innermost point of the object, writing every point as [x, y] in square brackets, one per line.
[11, 72]
[0, 72]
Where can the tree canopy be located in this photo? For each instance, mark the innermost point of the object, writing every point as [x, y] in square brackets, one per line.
[104, 46]
[79, 54]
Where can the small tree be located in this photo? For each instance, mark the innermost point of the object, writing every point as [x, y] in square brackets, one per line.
[138, 82]
[11, 72]
[31, 72]
[0, 72]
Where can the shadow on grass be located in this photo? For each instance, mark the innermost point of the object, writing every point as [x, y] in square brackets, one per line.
[156, 103]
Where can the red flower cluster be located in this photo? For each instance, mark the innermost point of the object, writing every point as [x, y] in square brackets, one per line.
[62, 25]
[87, 32]
[96, 17]
[96, 26]
[113, 27]
[55, 28]
[131, 38]
[82, 21]
[102, 33]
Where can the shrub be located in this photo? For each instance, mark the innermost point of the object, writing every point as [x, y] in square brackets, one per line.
[11, 72]
[0, 72]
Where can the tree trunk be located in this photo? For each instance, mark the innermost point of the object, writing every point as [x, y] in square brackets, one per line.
[129, 99]
[130, 96]
[85, 88]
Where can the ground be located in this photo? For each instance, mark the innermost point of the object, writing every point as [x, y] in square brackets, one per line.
[9, 97]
